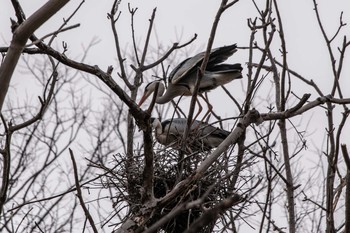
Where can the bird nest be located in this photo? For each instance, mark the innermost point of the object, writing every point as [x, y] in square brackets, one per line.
[169, 169]
[168, 172]
[193, 146]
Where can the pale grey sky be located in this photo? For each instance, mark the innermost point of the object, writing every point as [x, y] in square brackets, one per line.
[177, 21]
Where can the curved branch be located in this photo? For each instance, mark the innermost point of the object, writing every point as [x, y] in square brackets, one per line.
[213, 214]
[288, 113]
[20, 37]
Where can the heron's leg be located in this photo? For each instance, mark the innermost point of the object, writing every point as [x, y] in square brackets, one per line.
[177, 110]
[210, 107]
[200, 108]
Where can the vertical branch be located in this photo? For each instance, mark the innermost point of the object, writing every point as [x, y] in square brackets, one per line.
[145, 48]
[199, 77]
[253, 82]
[332, 142]
[204, 65]
[267, 202]
[283, 129]
[224, 6]
[331, 55]
[132, 12]
[6, 153]
[147, 194]
[121, 60]
[240, 155]
[130, 163]
[289, 176]
[330, 227]
[284, 61]
[342, 56]
[347, 201]
[147, 174]
[80, 195]
[347, 191]
[252, 26]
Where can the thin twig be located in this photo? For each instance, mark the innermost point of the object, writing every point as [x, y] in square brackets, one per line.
[53, 33]
[121, 60]
[66, 21]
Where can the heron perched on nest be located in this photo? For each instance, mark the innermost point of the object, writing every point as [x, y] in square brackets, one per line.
[182, 79]
[202, 136]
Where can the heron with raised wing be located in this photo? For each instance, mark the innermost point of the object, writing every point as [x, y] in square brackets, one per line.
[182, 79]
[202, 136]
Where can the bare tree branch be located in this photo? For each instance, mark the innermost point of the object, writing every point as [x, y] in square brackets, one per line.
[20, 37]
[80, 194]
[212, 214]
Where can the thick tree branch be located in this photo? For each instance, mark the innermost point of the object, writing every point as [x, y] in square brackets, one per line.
[20, 37]
[347, 190]
[6, 159]
[213, 213]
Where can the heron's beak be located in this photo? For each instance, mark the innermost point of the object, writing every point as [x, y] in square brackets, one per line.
[144, 97]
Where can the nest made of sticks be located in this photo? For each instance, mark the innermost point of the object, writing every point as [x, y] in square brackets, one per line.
[167, 174]
[169, 169]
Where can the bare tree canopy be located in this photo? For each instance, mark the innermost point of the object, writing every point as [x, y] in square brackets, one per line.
[268, 153]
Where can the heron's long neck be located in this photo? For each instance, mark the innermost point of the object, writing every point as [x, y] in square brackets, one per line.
[170, 93]
[162, 99]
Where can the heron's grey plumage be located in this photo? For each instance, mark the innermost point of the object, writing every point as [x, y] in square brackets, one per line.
[189, 66]
[202, 136]
[182, 79]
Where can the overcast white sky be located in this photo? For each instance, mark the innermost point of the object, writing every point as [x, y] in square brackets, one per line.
[177, 21]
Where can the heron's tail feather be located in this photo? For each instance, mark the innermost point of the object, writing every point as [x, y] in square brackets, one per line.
[222, 68]
[221, 54]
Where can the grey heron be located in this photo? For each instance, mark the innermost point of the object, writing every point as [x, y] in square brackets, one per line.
[202, 136]
[182, 79]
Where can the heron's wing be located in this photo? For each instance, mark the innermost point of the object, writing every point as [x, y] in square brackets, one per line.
[220, 133]
[184, 68]
[189, 65]
[175, 125]
[220, 55]
[206, 130]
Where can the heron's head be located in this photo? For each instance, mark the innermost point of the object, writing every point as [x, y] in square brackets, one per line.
[149, 89]
[155, 122]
